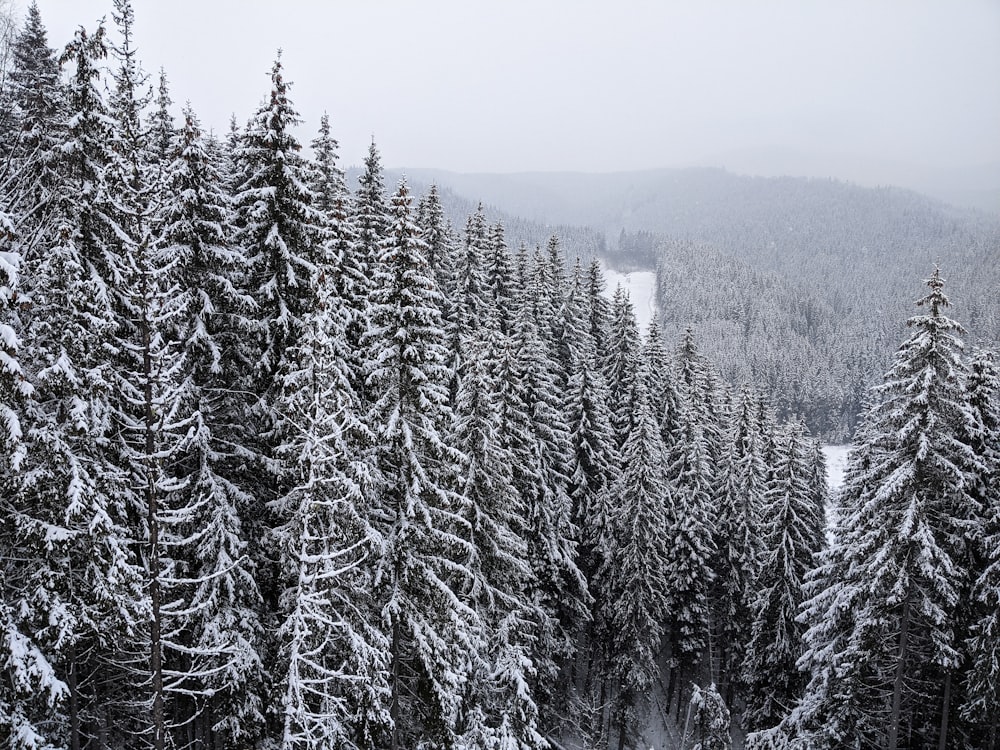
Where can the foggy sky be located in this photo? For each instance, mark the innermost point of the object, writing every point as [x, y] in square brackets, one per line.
[541, 85]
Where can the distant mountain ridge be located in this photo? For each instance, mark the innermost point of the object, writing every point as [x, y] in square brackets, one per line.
[798, 285]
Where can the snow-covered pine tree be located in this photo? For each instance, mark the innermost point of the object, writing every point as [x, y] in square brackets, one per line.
[30, 691]
[500, 710]
[333, 652]
[792, 532]
[600, 312]
[28, 179]
[632, 587]
[709, 719]
[738, 540]
[88, 587]
[881, 644]
[982, 704]
[544, 454]
[372, 215]
[421, 517]
[212, 641]
[595, 459]
[280, 233]
[692, 550]
[500, 278]
[471, 298]
[440, 238]
[142, 360]
[623, 362]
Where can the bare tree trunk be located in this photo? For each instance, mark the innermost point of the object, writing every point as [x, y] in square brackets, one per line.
[945, 710]
[394, 705]
[74, 700]
[897, 685]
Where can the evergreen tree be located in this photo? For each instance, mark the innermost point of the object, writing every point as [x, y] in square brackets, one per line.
[983, 688]
[422, 520]
[333, 653]
[30, 691]
[440, 239]
[792, 533]
[89, 589]
[347, 269]
[281, 235]
[623, 363]
[500, 279]
[881, 645]
[213, 637]
[500, 708]
[632, 587]
[544, 453]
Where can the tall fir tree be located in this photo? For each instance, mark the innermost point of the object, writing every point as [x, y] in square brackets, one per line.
[793, 535]
[881, 646]
[421, 517]
[213, 643]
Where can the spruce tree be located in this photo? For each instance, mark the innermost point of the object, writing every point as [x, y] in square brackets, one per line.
[213, 641]
[632, 585]
[332, 652]
[792, 534]
[881, 646]
[982, 704]
[422, 519]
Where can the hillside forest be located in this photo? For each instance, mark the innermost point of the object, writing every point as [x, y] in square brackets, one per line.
[291, 463]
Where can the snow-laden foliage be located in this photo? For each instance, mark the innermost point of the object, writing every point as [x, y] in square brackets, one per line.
[283, 466]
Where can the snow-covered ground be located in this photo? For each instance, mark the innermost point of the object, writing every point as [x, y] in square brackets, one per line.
[640, 286]
[836, 460]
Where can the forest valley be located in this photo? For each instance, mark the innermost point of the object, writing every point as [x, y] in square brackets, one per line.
[286, 465]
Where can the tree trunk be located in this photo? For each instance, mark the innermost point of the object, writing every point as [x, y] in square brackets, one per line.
[394, 705]
[621, 721]
[152, 519]
[945, 710]
[897, 685]
[74, 700]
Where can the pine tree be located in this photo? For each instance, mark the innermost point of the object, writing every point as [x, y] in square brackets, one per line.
[691, 545]
[348, 270]
[738, 540]
[710, 719]
[500, 279]
[983, 685]
[30, 691]
[543, 455]
[440, 239]
[623, 362]
[632, 587]
[28, 173]
[881, 644]
[78, 499]
[500, 708]
[333, 653]
[212, 642]
[422, 520]
[792, 534]
[281, 235]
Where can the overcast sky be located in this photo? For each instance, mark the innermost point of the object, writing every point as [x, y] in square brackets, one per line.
[518, 85]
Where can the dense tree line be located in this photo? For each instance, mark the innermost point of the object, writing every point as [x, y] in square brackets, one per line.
[284, 464]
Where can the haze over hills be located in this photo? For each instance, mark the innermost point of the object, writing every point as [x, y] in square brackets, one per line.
[800, 286]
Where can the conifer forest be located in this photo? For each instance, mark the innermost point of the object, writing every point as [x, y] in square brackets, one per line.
[288, 463]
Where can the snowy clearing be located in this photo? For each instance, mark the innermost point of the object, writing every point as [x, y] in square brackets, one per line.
[836, 460]
[641, 286]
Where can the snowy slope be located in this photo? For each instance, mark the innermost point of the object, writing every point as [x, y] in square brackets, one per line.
[640, 286]
[836, 460]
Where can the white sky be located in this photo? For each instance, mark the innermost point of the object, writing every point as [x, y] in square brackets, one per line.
[519, 85]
